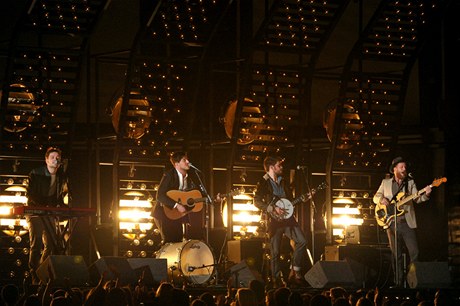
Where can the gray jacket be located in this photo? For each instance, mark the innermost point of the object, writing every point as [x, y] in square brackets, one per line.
[385, 191]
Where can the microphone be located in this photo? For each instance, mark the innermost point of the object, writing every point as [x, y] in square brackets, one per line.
[56, 162]
[299, 167]
[410, 176]
[193, 167]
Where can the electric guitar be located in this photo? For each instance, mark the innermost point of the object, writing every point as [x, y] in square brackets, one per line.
[288, 206]
[386, 213]
[192, 200]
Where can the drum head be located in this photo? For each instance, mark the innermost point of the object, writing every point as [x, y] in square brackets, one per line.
[192, 258]
[197, 261]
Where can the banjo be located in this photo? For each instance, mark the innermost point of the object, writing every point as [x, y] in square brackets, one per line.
[288, 206]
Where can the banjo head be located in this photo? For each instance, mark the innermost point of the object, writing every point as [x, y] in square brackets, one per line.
[287, 206]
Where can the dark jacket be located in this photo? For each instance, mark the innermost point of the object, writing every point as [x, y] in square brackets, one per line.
[264, 197]
[39, 185]
[169, 181]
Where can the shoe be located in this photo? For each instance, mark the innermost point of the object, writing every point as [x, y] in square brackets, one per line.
[34, 279]
[296, 278]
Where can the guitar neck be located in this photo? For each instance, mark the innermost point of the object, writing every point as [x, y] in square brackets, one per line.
[199, 200]
[307, 196]
[302, 198]
[412, 197]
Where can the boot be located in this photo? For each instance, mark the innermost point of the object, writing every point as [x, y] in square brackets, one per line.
[278, 281]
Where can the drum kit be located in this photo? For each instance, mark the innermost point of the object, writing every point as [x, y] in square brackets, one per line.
[190, 261]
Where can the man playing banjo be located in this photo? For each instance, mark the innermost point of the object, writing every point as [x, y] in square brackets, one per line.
[270, 189]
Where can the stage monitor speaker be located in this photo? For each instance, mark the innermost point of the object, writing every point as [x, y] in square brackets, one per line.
[429, 275]
[328, 274]
[242, 275]
[155, 269]
[250, 250]
[70, 270]
[115, 267]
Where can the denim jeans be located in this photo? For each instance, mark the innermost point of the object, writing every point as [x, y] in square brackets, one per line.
[295, 234]
[40, 247]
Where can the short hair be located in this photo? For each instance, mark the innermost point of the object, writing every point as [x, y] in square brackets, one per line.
[51, 150]
[271, 161]
[246, 296]
[177, 156]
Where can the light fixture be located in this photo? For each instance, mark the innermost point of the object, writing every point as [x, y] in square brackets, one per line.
[138, 117]
[16, 188]
[250, 122]
[135, 214]
[17, 198]
[133, 193]
[245, 218]
[22, 108]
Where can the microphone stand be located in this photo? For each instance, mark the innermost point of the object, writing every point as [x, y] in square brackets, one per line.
[208, 204]
[396, 247]
[237, 272]
[312, 216]
[202, 267]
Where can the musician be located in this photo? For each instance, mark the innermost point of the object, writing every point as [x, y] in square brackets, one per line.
[48, 185]
[271, 187]
[389, 191]
[190, 225]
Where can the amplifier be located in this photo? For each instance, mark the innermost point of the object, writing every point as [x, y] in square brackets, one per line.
[371, 264]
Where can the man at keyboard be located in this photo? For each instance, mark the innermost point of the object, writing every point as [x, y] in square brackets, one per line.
[47, 187]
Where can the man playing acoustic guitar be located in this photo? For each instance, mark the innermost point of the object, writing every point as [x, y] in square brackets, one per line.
[391, 191]
[176, 206]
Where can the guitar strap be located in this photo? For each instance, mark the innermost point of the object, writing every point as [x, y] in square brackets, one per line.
[404, 185]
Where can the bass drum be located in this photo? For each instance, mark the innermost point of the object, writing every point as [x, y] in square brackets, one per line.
[191, 259]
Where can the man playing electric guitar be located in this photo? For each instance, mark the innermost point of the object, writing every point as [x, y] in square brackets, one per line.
[177, 179]
[405, 222]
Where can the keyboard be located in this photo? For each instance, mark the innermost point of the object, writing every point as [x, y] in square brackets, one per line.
[53, 211]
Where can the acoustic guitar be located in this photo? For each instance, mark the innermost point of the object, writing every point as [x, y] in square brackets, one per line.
[192, 200]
